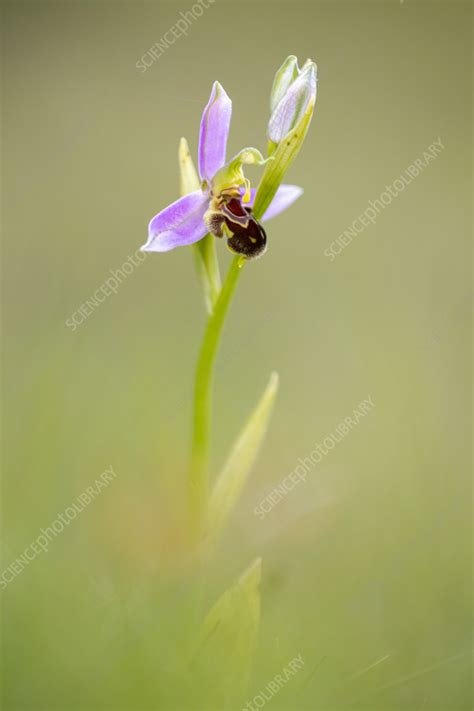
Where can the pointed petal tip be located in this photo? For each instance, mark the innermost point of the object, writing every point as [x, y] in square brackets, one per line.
[253, 574]
[183, 149]
[189, 180]
[312, 69]
[219, 89]
[274, 379]
[292, 59]
[311, 73]
[179, 224]
[154, 244]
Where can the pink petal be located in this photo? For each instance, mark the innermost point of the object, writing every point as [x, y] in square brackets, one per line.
[285, 196]
[215, 125]
[179, 224]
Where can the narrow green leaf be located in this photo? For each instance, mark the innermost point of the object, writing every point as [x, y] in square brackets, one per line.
[205, 250]
[242, 457]
[227, 638]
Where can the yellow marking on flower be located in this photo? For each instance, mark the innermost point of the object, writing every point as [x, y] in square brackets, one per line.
[247, 194]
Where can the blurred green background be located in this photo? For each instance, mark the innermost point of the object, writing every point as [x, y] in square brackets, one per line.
[370, 559]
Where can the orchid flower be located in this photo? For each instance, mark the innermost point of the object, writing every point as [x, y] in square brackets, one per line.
[223, 204]
[219, 202]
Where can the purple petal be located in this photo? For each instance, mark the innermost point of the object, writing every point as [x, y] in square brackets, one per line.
[285, 196]
[215, 124]
[179, 224]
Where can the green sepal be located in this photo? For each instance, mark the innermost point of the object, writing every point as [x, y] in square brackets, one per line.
[189, 180]
[205, 256]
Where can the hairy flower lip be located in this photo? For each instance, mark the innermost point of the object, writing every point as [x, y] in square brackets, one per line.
[246, 235]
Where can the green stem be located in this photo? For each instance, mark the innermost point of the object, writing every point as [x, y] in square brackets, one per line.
[208, 270]
[199, 473]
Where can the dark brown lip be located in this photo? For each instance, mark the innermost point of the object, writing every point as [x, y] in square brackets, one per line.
[248, 236]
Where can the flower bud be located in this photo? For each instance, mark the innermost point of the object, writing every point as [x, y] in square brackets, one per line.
[295, 97]
[289, 122]
[284, 77]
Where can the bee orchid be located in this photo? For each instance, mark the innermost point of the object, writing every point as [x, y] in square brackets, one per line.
[223, 205]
